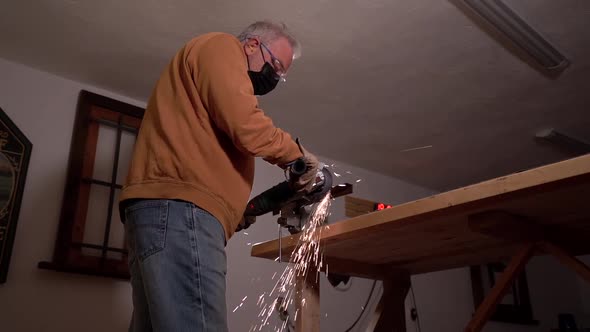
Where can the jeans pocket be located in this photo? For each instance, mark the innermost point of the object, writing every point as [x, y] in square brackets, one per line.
[147, 222]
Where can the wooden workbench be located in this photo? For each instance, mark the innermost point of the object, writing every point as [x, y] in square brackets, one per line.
[545, 210]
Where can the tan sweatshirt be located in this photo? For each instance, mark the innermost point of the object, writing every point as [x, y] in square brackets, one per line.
[201, 131]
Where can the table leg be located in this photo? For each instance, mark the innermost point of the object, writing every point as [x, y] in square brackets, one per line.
[390, 314]
[568, 260]
[308, 303]
[489, 304]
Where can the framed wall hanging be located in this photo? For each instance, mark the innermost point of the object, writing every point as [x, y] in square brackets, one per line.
[15, 152]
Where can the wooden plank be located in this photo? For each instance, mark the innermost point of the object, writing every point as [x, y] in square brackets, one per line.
[307, 303]
[503, 225]
[568, 260]
[433, 233]
[489, 304]
[353, 268]
[355, 206]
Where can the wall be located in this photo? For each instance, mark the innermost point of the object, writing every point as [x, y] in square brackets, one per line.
[43, 106]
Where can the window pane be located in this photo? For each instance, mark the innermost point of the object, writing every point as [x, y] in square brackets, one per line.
[105, 153]
[127, 143]
[96, 218]
[117, 233]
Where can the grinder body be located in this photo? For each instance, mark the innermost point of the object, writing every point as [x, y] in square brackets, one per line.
[283, 199]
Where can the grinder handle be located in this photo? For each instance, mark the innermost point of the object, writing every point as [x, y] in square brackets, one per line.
[270, 200]
[297, 168]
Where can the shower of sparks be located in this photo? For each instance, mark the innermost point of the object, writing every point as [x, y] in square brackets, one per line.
[305, 257]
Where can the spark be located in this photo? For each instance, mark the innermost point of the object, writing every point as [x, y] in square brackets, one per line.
[337, 175]
[418, 148]
[245, 233]
[305, 257]
[249, 243]
[359, 180]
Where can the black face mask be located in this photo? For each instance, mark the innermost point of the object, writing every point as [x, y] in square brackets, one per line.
[265, 80]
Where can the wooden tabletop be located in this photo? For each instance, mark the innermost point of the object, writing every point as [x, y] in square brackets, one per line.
[446, 230]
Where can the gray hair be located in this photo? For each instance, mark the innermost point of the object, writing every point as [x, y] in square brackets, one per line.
[269, 31]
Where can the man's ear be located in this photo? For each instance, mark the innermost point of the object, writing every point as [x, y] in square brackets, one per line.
[252, 45]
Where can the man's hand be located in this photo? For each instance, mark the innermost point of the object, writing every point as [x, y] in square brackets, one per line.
[246, 222]
[305, 182]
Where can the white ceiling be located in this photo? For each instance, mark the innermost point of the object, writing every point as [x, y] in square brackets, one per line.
[376, 77]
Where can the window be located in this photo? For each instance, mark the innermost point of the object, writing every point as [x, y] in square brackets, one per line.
[91, 237]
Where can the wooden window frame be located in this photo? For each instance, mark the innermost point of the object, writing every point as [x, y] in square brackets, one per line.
[93, 110]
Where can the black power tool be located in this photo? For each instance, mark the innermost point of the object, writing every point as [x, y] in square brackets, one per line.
[293, 207]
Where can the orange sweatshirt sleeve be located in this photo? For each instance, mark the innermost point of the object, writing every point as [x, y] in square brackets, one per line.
[224, 86]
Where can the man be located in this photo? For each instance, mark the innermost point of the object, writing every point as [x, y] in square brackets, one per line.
[192, 172]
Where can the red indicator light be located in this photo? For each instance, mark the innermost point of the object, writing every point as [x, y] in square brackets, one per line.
[382, 206]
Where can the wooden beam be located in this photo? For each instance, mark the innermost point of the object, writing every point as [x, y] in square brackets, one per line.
[353, 268]
[355, 206]
[432, 233]
[391, 308]
[489, 304]
[331, 264]
[307, 303]
[506, 226]
[568, 260]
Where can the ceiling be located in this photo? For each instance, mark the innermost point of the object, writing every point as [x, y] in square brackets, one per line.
[376, 79]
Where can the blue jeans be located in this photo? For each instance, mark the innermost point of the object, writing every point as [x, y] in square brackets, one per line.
[178, 266]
